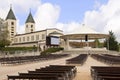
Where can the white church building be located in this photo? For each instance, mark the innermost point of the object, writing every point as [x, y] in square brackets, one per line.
[30, 37]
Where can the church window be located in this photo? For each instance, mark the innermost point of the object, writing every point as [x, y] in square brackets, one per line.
[28, 38]
[31, 26]
[20, 39]
[32, 38]
[16, 39]
[12, 23]
[23, 38]
[11, 39]
[37, 37]
[43, 36]
[12, 29]
[12, 34]
[31, 30]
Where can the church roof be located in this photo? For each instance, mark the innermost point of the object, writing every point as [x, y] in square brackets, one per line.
[30, 19]
[55, 32]
[11, 15]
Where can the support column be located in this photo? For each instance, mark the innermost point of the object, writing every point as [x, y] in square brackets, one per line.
[67, 44]
[81, 43]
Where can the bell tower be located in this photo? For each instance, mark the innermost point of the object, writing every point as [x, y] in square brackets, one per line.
[11, 24]
[29, 24]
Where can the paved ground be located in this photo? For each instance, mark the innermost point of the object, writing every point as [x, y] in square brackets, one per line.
[83, 72]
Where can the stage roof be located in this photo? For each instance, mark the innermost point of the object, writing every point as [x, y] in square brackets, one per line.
[84, 30]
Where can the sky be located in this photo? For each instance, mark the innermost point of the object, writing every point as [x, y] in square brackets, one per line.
[67, 15]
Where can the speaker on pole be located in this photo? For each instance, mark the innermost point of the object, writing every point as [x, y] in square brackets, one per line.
[86, 37]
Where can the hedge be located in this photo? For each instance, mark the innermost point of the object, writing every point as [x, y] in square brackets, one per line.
[51, 50]
[18, 48]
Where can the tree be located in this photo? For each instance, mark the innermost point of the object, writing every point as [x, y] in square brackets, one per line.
[113, 44]
[119, 47]
[3, 34]
[97, 43]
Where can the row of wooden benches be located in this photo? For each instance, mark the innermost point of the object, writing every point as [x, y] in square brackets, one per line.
[24, 59]
[77, 60]
[109, 59]
[105, 73]
[52, 72]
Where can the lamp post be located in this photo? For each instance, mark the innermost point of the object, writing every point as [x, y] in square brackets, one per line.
[86, 40]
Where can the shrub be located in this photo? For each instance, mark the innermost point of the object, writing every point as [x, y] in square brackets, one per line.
[18, 48]
[51, 50]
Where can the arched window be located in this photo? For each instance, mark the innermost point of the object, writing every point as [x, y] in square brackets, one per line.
[31, 30]
[31, 26]
[12, 23]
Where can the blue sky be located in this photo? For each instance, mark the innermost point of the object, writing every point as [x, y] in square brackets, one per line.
[73, 10]
[70, 10]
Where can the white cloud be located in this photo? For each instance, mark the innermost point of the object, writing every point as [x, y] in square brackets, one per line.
[46, 16]
[106, 18]
[20, 28]
[20, 6]
[97, 4]
[68, 27]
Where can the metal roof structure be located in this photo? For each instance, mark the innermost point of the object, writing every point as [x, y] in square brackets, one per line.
[84, 30]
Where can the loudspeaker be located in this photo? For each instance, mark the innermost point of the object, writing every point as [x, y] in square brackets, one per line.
[86, 37]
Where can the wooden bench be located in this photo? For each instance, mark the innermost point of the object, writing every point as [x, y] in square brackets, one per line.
[77, 60]
[98, 72]
[52, 72]
[13, 77]
[26, 59]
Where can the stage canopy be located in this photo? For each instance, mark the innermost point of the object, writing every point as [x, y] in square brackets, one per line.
[80, 33]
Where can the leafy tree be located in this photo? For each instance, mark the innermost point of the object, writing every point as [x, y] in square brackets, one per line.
[4, 43]
[119, 47]
[3, 34]
[97, 43]
[113, 44]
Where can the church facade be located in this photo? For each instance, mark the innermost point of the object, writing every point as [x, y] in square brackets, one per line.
[30, 37]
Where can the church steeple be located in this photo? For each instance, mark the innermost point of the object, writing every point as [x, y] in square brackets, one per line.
[30, 24]
[30, 18]
[11, 15]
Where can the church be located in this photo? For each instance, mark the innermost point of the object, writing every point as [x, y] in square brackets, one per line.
[30, 37]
